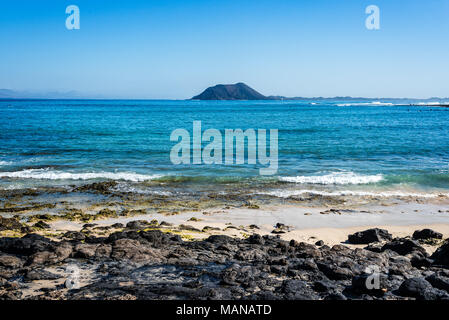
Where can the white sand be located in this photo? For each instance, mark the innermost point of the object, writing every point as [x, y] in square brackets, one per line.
[308, 224]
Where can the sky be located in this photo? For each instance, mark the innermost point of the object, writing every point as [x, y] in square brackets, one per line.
[174, 49]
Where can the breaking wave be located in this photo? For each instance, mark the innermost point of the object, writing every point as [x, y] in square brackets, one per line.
[335, 178]
[46, 174]
[385, 194]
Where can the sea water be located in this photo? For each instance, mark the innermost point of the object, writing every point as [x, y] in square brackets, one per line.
[326, 147]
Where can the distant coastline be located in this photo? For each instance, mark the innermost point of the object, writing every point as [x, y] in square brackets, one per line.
[235, 92]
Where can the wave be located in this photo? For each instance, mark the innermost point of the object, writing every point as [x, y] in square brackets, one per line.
[130, 189]
[385, 194]
[432, 103]
[335, 178]
[5, 163]
[373, 103]
[46, 174]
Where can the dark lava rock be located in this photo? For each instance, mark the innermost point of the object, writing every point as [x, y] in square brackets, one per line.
[441, 256]
[98, 187]
[404, 246]
[10, 261]
[40, 274]
[256, 239]
[334, 272]
[426, 234]
[41, 225]
[298, 290]
[28, 244]
[439, 281]
[74, 235]
[369, 236]
[420, 261]
[373, 284]
[319, 243]
[136, 264]
[137, 224]
[419, 288]
[220, 239]
[9, 224]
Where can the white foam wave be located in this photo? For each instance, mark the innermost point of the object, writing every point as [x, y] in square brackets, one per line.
[131, 189]
[46, 174]
[373, 103]
[432, 103]
[5, 163]
[335, 178]
[385, 194]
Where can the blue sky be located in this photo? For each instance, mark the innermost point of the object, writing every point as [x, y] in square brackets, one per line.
[174, 49]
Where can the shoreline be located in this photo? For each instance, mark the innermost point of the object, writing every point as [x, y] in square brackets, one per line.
[127, 246]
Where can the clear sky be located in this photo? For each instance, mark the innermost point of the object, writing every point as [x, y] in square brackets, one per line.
[175, 49]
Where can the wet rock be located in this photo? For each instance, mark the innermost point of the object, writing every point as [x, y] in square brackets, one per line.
[98, 187]
[426, 234]
[369, 236]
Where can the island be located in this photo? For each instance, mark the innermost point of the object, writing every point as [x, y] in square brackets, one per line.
[238, 91]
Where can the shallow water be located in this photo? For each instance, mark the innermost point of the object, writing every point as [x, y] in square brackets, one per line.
[330, 148]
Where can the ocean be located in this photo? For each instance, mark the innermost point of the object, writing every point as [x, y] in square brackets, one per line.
[330, 148]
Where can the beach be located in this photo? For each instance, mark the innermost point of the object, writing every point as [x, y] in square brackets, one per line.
[113, 245]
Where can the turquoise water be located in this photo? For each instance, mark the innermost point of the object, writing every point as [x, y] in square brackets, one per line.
[323, 146]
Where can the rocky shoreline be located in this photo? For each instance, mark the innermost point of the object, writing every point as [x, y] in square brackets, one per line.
[144, 261]
[97, 242]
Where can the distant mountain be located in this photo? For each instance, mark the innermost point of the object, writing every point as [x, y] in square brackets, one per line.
[11, 94]
[238, 91]
[6, 94]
